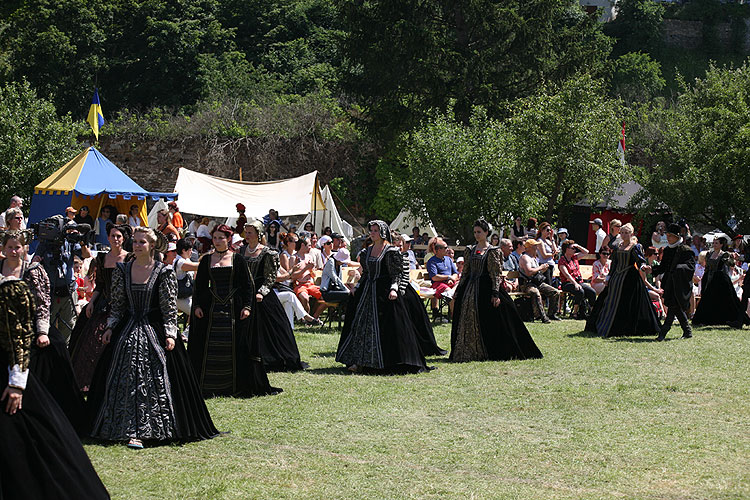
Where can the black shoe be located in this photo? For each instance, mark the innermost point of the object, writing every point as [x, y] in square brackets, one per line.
[546, 320]
[687, 335]
[555, 317]
[735, 324]
[662, 337]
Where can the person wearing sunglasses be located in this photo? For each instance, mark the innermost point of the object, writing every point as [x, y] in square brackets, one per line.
[600, 271]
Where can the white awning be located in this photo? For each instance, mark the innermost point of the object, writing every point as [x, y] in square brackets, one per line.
[217, 197]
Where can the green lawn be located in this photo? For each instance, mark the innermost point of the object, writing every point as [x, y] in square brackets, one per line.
[622, 418]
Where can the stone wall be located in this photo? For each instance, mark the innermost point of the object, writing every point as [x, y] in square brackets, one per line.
[689, 34]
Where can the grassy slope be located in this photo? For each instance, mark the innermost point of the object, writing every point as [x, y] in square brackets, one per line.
[594, 419]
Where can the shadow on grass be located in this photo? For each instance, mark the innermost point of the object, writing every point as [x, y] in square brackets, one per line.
[326, 354]
[585, 334]
[635, 340]
[331, 370]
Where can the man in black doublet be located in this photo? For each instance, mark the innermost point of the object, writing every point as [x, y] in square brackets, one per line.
[677, 266]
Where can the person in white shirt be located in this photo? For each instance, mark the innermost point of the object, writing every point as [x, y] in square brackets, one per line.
[596, 226]
[15, 202]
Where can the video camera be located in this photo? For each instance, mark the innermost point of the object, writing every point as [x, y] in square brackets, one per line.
[57, 229]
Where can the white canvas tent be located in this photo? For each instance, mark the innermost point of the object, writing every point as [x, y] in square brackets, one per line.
[405, 221]
[152, 221]
[217, 197]
[328, 216]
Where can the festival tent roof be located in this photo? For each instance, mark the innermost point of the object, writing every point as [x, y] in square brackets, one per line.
[405, 222]
[328, 216]
[217, 197]
[89, 179]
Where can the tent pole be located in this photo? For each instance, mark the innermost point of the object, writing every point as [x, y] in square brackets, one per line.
[315, 204]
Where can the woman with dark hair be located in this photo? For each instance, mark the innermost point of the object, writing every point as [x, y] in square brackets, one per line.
[107, 215]
[719, 304]
[308, 227]
[143, 387]
[177, 220]
[41, 455]
[378, 334]
[86, 339]
[624, 306]
[518, 233]
[134, 217]
[164, 219]
[49, 354]
[546, 249]
[486, 324]
[531, 228]
[273, 239]
[268, 323]
[327, 231]
[225, 354]
[495, 240]
[84, 216]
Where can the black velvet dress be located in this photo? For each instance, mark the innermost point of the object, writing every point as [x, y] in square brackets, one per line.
[51, 364]
[225, 355]
[86, 339]
[481, 331]
[378, 332]
[141, 390]
[624, 307]
[268, 321]
[719, 303]
[40, 453]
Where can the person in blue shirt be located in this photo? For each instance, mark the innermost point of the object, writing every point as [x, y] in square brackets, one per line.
[443, 274]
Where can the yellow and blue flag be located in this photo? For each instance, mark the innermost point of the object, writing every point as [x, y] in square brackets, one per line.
[95, 118]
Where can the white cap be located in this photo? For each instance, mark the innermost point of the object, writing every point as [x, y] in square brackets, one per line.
[171, 247]
[562, 230]
[460, 259]
[342, 255]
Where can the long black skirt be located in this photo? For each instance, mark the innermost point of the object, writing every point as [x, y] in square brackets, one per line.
[278, 347]
[193, 422]
[378, 334]
[418, 315]
[86, 343]
[719, 303]
[501, 331]
[51, 367]
[40, 454]
[624, 308]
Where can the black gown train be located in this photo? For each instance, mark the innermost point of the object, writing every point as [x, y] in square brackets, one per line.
[268, 322]
[40, 453]
[624, 307]
[140, 390]
[481, 331]
[378, 332]
[719, 303]
[418, 314]
[224, 352]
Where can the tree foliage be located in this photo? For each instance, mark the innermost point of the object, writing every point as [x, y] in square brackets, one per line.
[636, 77]
[701, 161]
[33, 140]
[404, 58]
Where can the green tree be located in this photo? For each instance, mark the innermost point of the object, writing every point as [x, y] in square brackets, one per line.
[636, 77]
[637, 27]
[404, 58]
[566, 140]
[700, 162]
[33, 140]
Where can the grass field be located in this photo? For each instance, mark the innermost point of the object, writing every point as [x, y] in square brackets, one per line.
[622, 418]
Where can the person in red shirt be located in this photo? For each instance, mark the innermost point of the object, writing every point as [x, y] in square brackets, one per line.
[177, 220]
[570, 276]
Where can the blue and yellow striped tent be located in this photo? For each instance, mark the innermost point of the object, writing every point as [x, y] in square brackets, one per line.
[89, 179]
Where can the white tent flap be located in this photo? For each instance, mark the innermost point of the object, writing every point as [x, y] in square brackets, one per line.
[329, 216]
[152, 221]
[405, 222]
[217, 197]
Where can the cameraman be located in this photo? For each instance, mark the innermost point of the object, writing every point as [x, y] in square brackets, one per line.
[57, 256]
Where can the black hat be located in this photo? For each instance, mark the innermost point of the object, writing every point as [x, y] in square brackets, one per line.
[674, 229]
[336, 236]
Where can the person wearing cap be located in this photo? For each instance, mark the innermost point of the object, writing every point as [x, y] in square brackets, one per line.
[84, 216]
[596, 226]
[460, 266]
[677, 267]
[406, 242]
[562, 235]
[533, 283]
[171, 253]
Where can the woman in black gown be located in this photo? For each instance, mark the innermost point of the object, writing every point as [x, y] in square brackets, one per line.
[144, 387]
[86, 339]
[225, 355]
[486, 324]
[40, 453]
[378, 333]
[50, 360]
[719, 304]
[268, 322]
[624, 307]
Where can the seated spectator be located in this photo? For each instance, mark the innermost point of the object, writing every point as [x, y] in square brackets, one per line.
[164, 219]
[546, 250]
[416, 236]
[134, 218]
[84, 216]
[194, 225]
[15, 202]
[305, 287]
[517, 231]
[272, 215]
[430, 249]
[204, 235]
[659, 236]
[100, 225]
[460, 266]
[572, 281]
[698, 245]
[495, 240]
[332, 287]
[600, 271]
[510, 262]
[443, 274]
[13, 219]
[314, 251]
[308, 227]
[121, 219]
[562, 235]
[531, 229]
[327, 231]
[533, 283]
[273, 239]
[652, 283]
[70, 213]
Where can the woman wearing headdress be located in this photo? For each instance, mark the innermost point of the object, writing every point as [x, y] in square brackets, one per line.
[49, 354]
[40, 454]
[624, 306]
[719, 304]
[268, 322]
[378, 333]
[86, 340]
[486, 324]
[144, 387]
[224, 352]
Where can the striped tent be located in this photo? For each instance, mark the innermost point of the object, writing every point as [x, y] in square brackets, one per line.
[89, 179]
